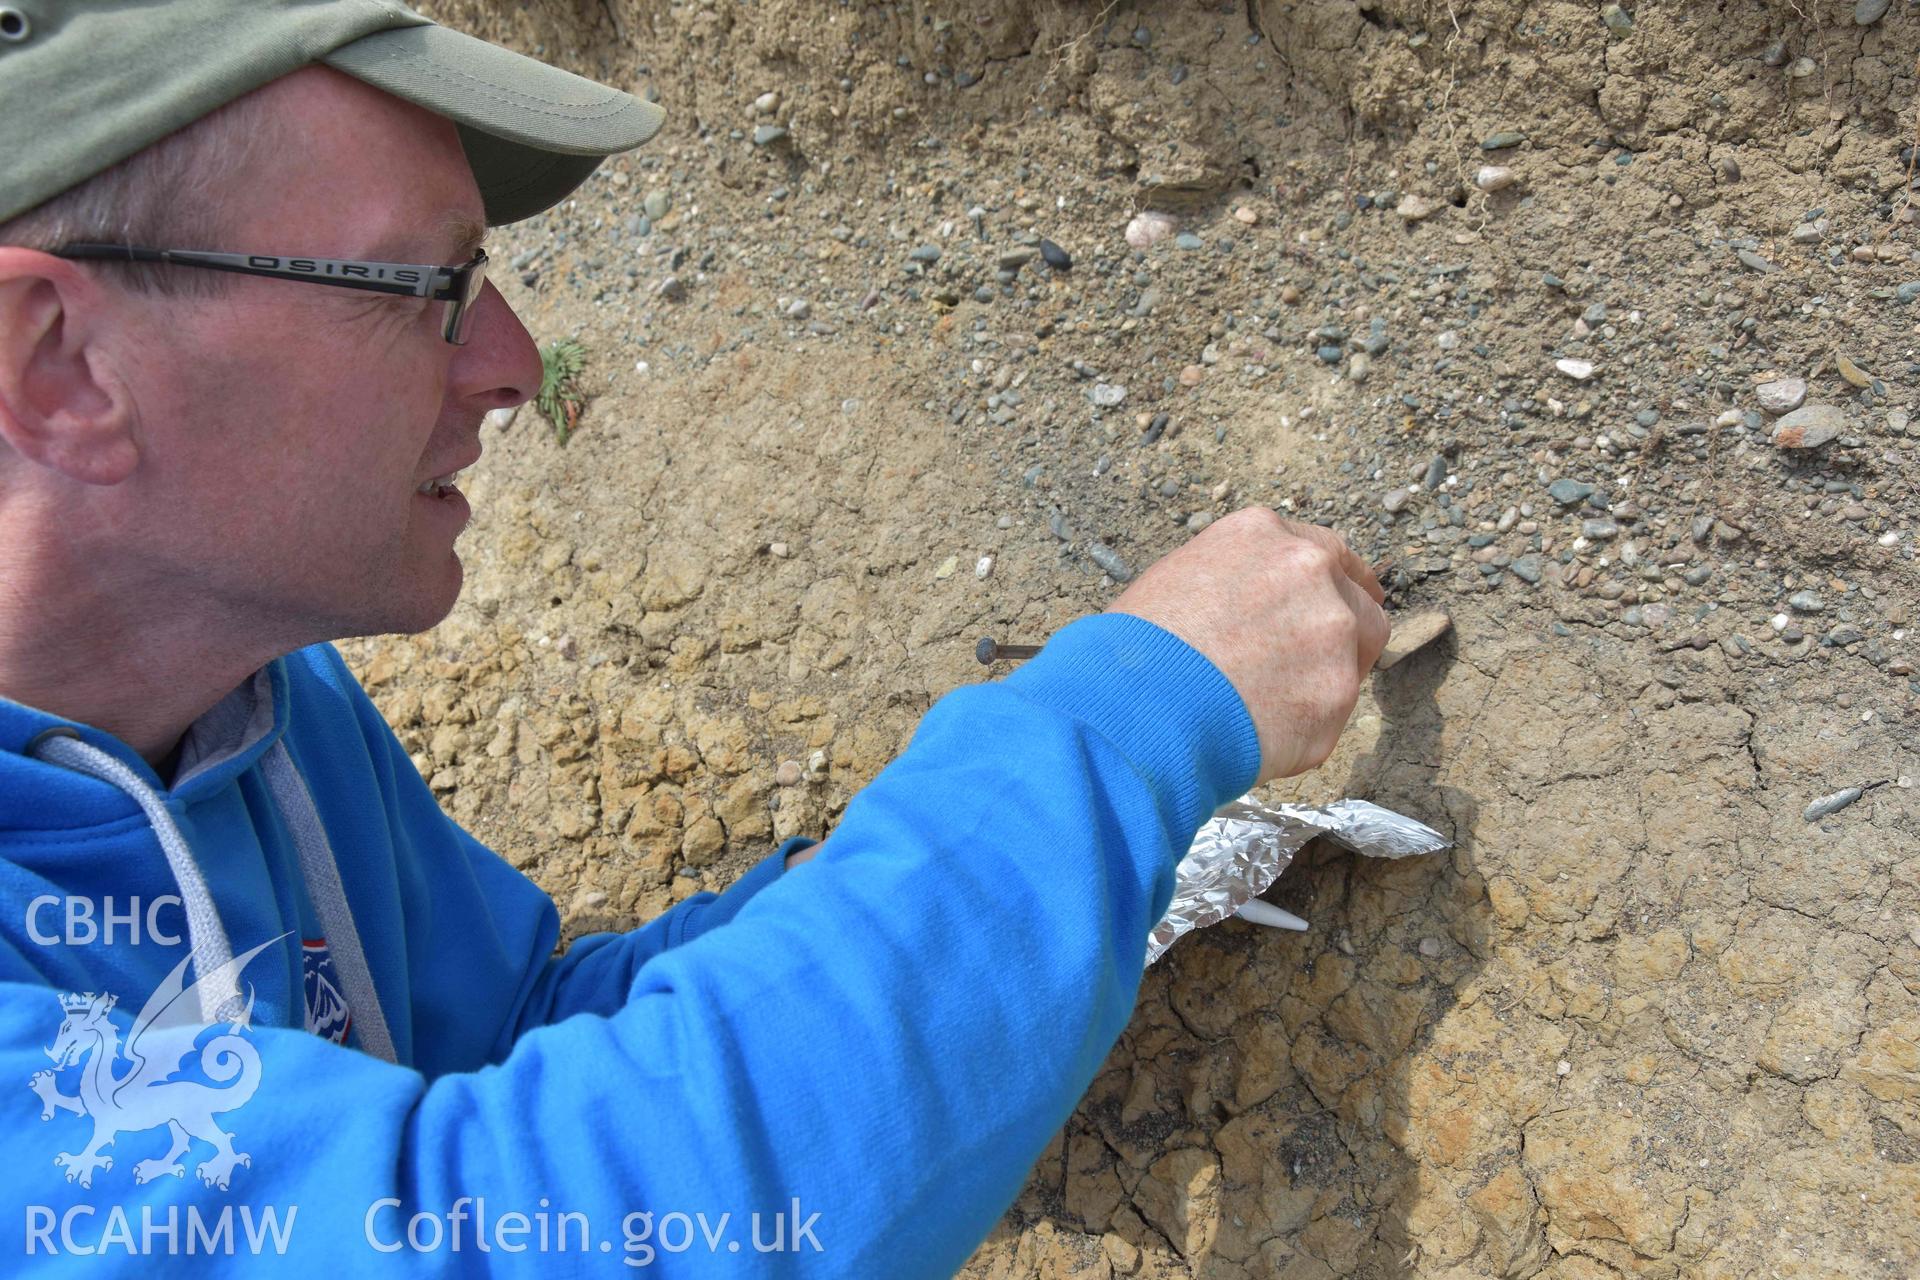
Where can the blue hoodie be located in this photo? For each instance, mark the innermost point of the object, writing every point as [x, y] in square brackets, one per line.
[844, 1069]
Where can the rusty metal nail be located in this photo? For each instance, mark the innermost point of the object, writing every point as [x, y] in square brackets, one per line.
[990, 650]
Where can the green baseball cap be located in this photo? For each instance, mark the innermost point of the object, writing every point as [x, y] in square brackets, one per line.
[86, 83]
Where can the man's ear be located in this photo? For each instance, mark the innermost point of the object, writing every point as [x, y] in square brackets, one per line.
[61, 406]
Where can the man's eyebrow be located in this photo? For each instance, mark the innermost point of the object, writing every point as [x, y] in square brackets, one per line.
[467, 233]
[457, 228]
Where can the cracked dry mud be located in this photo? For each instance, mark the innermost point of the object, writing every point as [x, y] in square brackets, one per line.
[1645, 1019]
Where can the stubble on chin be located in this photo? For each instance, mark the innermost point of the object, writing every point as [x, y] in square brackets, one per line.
[398, 605]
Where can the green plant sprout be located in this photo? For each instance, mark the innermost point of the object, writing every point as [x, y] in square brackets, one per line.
[560, 399]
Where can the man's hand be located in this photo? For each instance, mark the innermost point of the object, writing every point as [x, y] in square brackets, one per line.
[1289, 614]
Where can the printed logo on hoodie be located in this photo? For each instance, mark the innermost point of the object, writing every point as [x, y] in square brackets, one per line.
[327, 1014]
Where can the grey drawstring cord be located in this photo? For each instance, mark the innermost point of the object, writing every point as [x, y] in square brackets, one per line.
[322, 875]
[206, 936]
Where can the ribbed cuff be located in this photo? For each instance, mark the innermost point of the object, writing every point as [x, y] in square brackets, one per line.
[1160, 702]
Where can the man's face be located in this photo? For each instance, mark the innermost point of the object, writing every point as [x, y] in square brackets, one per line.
[285, 428]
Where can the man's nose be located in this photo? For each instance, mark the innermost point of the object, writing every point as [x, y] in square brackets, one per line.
[499, 365]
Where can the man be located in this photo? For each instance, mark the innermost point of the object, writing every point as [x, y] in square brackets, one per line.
[294, 1010]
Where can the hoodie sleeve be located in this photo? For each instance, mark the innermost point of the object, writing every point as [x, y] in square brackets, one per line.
[851, 1076]
[481, 969]
[595, 973]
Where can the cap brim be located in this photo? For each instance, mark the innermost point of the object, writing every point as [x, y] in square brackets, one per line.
[532, 132]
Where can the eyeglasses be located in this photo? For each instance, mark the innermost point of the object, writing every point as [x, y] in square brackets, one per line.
[459, 287]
